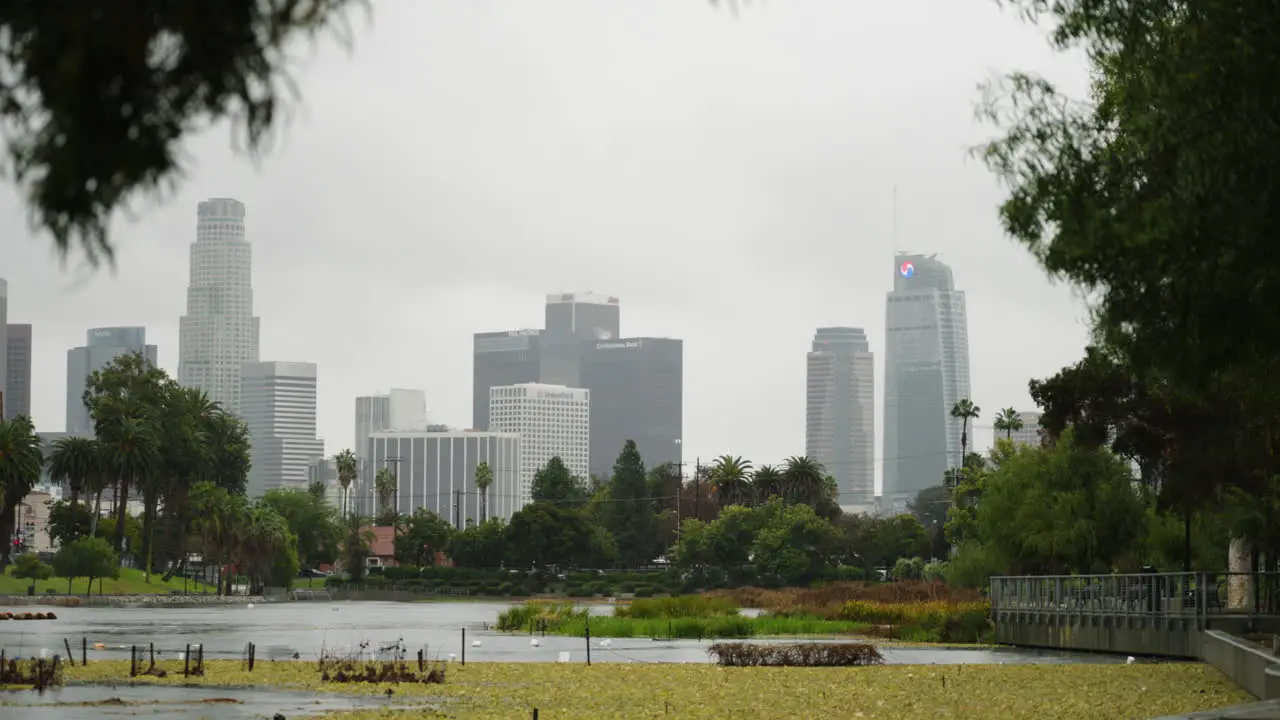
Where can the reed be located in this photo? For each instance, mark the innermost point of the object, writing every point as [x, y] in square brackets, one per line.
[681, 606]
[826, 601]
[538, 614]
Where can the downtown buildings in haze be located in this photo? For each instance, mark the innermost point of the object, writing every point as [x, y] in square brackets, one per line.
[398, 409]
[17, 387]
[219, 333]
[926, 374]
[840, 412]
[278, 405]
[101, 346]
[551, 420]
[636, 384]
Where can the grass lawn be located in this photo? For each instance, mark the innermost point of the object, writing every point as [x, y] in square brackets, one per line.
[481, 691]
[131, 582]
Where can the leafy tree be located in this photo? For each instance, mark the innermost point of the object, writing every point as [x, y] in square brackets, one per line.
[228, 439]
[628, 514]
[355, 547]
[767, 482]
[29, 566]
[420, 536]
[87, 557]
[484, 478]
[348, 469]
[69, 72]
[873, 542]
[792, 545]
[544, 534]
[929, 506]
[21, 459]
[480, 546]
[1060, 509]
[554, 483]
[68, 522]
[1008, 422]
[311, 520]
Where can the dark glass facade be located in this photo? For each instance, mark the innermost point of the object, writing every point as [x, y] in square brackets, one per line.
[637, 393]
[507, 357]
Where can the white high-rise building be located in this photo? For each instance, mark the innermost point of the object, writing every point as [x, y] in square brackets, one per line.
[278, 404]
[219, 333]
[840, 413]
[1029, 433]
[552, 421]
[926, 371]
[399, 409]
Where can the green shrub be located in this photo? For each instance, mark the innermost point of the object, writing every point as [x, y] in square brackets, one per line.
[680, 606]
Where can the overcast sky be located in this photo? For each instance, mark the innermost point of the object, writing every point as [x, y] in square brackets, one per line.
[729, 176]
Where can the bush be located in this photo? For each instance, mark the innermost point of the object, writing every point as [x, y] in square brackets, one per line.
[934, 621]
[29, 566]
[682, 606]
[798, 655]
[523, 617]
[644, 591]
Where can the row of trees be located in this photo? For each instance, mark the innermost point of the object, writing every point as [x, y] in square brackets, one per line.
[172, 447]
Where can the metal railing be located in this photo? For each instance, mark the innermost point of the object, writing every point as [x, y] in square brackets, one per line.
[1175, 595]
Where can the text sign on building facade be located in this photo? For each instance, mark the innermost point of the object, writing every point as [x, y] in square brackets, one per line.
[627, 345]
[553, 395]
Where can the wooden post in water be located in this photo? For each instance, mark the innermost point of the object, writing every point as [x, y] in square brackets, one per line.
[133, 661]
[84, 650]
[420, 661]
[152, 665]
[588, 640]
[186, 661]
[252, 648]
[464, 646]
[70, 657]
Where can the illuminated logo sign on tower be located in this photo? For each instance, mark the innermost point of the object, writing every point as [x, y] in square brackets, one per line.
[907, 269]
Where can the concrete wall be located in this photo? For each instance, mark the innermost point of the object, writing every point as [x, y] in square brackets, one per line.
[1250, 666]
[1097, 633]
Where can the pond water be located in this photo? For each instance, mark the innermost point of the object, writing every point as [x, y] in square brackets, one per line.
[92, 702]
[305, 629]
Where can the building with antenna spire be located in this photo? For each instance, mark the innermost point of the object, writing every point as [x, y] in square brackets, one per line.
[926, 374]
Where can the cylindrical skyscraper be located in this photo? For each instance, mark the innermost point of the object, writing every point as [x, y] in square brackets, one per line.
[219, 333]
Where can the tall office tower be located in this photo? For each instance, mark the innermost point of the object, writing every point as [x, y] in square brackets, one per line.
[4, 340]
[396, 410]
[278, 404]
[17, 393]
[219, 332]
[574, 321]
[102, 345]
[637, 393]
[926, 374]
[552, 421]
[840, 412]
[507, 357]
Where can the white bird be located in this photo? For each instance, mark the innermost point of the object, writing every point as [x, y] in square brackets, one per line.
[534, 642]
[475, 643]
[1131, 660]
[250, 606]
[451, 657]
[606, 643]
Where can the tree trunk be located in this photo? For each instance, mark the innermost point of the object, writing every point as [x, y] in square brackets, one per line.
[97, 511]
[151, 543]
[1186, 541]
[121, 512]
[1239, 581]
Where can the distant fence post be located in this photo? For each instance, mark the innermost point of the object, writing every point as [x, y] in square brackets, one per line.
[84, 650]
[133, 661]
[71, 658]
[588, 633]
[186, 661]
[464, 646]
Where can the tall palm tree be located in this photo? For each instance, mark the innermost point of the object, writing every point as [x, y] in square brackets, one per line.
[966, 411]
[21, 459]
[484, 478]
[803, 480]
[185, 457]
[348, 469]
[1008, 421]
[384, 485]
[133, 454]
[766, 482]
[75, 461]
[731, 478]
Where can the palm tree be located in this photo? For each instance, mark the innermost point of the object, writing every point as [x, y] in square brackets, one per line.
[731, 478]
[133, 456]
[766, 482]
[1008, 421]
[21, 459]
[966, 411]
[803, 480]
[76, 461]
[484, 478]
[384, 485]
[348, 469]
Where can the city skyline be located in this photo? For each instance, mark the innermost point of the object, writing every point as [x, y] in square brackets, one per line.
[763, 211]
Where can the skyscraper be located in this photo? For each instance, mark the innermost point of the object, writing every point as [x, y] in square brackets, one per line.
[926, 374]
[506, 357]
[840, 411]
[551, 420]
[102, 345]
[575, 321]
[4, 341]
[17, 393]
[397, 410]
[278, 404]
[219, 333]
[637, 393]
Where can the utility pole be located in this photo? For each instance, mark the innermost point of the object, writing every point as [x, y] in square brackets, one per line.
[697, 489]
[457, 509]
[680, 483]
